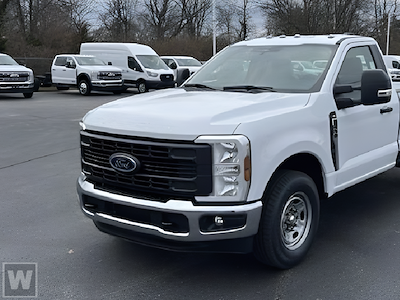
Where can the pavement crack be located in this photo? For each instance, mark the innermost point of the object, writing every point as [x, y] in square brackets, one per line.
[40, 157]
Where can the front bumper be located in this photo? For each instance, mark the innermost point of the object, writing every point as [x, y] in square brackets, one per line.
[20, 87]
[107, 84]
[158, 84]
[152, 227]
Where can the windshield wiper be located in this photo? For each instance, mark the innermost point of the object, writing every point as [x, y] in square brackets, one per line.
[198, 85]
[249, 88]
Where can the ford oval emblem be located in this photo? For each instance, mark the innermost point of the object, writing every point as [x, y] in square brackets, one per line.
[124, 162]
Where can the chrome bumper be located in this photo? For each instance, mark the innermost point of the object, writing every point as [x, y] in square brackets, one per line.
[16, 85]
[186, 208]
[107, 83]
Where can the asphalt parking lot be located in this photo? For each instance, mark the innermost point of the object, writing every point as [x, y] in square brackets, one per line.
[356, 254]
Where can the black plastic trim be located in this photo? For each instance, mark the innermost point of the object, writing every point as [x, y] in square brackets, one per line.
[242, 245]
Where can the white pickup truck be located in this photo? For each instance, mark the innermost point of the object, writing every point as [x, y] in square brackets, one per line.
[85, 72]
[239, 157]
[15, 78]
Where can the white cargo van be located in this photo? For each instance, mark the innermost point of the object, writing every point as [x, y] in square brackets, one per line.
[141, 66]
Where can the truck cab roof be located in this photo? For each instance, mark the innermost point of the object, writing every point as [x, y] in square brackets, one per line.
[298, 39]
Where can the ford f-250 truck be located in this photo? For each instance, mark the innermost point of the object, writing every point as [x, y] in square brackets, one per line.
[86, 72]
[239, 157]
[15, 78]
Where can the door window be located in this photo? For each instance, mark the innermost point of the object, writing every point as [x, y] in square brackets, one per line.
[133, 64]
[61, 61]
[356, 61]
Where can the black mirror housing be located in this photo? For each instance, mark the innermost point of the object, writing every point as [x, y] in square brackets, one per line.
[375, 87]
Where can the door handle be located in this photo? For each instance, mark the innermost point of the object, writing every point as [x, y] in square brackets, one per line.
[386, 109]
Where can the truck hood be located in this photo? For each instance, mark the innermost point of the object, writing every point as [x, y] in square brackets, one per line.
[13, 68]
[179, 114]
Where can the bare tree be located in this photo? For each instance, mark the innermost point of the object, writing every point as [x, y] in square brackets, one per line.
[163, 18]
[118, 20]
[314, 16]
[194, 15]
[80, 14]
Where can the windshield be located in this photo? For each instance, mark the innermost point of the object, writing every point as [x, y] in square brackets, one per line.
[7, 60]
[188, 62]
[268, 68]
[152, 62]
[89, 61]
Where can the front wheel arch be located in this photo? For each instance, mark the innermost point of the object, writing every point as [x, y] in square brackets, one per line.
[289, 219]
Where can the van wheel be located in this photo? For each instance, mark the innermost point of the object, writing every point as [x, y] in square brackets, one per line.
[289, 220]
[141, 86]
[84, 87]
[28, 95]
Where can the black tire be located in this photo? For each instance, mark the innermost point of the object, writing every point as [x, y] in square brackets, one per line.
[28, 95]
[62, 88]
[36, 85]
[84, 87]
[142, 87]
[289, 220]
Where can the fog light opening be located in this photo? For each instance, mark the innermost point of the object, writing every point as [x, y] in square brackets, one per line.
[215, 223]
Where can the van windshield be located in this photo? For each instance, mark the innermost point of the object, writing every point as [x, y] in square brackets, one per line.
[188, 62]
[152, 62]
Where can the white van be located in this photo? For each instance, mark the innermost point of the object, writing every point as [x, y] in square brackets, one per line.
[141, 66]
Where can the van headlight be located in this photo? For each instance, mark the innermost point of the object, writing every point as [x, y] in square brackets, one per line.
[231, 168]
[152, 74]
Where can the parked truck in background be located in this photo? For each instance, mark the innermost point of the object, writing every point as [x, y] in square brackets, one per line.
[15, 78]
[239, 157]
[85, 72]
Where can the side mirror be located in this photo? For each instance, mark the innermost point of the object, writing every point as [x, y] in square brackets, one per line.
[376, 87]
[69, 65]
[173, 66]
[110, 63]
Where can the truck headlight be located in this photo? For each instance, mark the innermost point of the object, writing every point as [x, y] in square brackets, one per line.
[82, 125]
[152, 74]
[231, 168]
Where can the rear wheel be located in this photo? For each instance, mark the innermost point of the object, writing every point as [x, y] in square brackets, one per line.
[28, 95]
[141, 86]
[84, 87]
[289, 220]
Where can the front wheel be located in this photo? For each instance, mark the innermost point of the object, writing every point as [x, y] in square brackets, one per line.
[28, 95]
[289, 220]
[141, 86]
[84, 87]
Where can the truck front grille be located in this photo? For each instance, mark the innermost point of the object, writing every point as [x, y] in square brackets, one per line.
[167, 169]
[110, 75]
[167, 78]
[14, 76]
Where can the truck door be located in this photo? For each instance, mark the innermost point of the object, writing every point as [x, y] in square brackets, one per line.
[365, 141]
[64, 70]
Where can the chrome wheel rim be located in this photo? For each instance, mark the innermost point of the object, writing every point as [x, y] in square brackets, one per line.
[83, 88]
[296, 220]
[142, 87]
